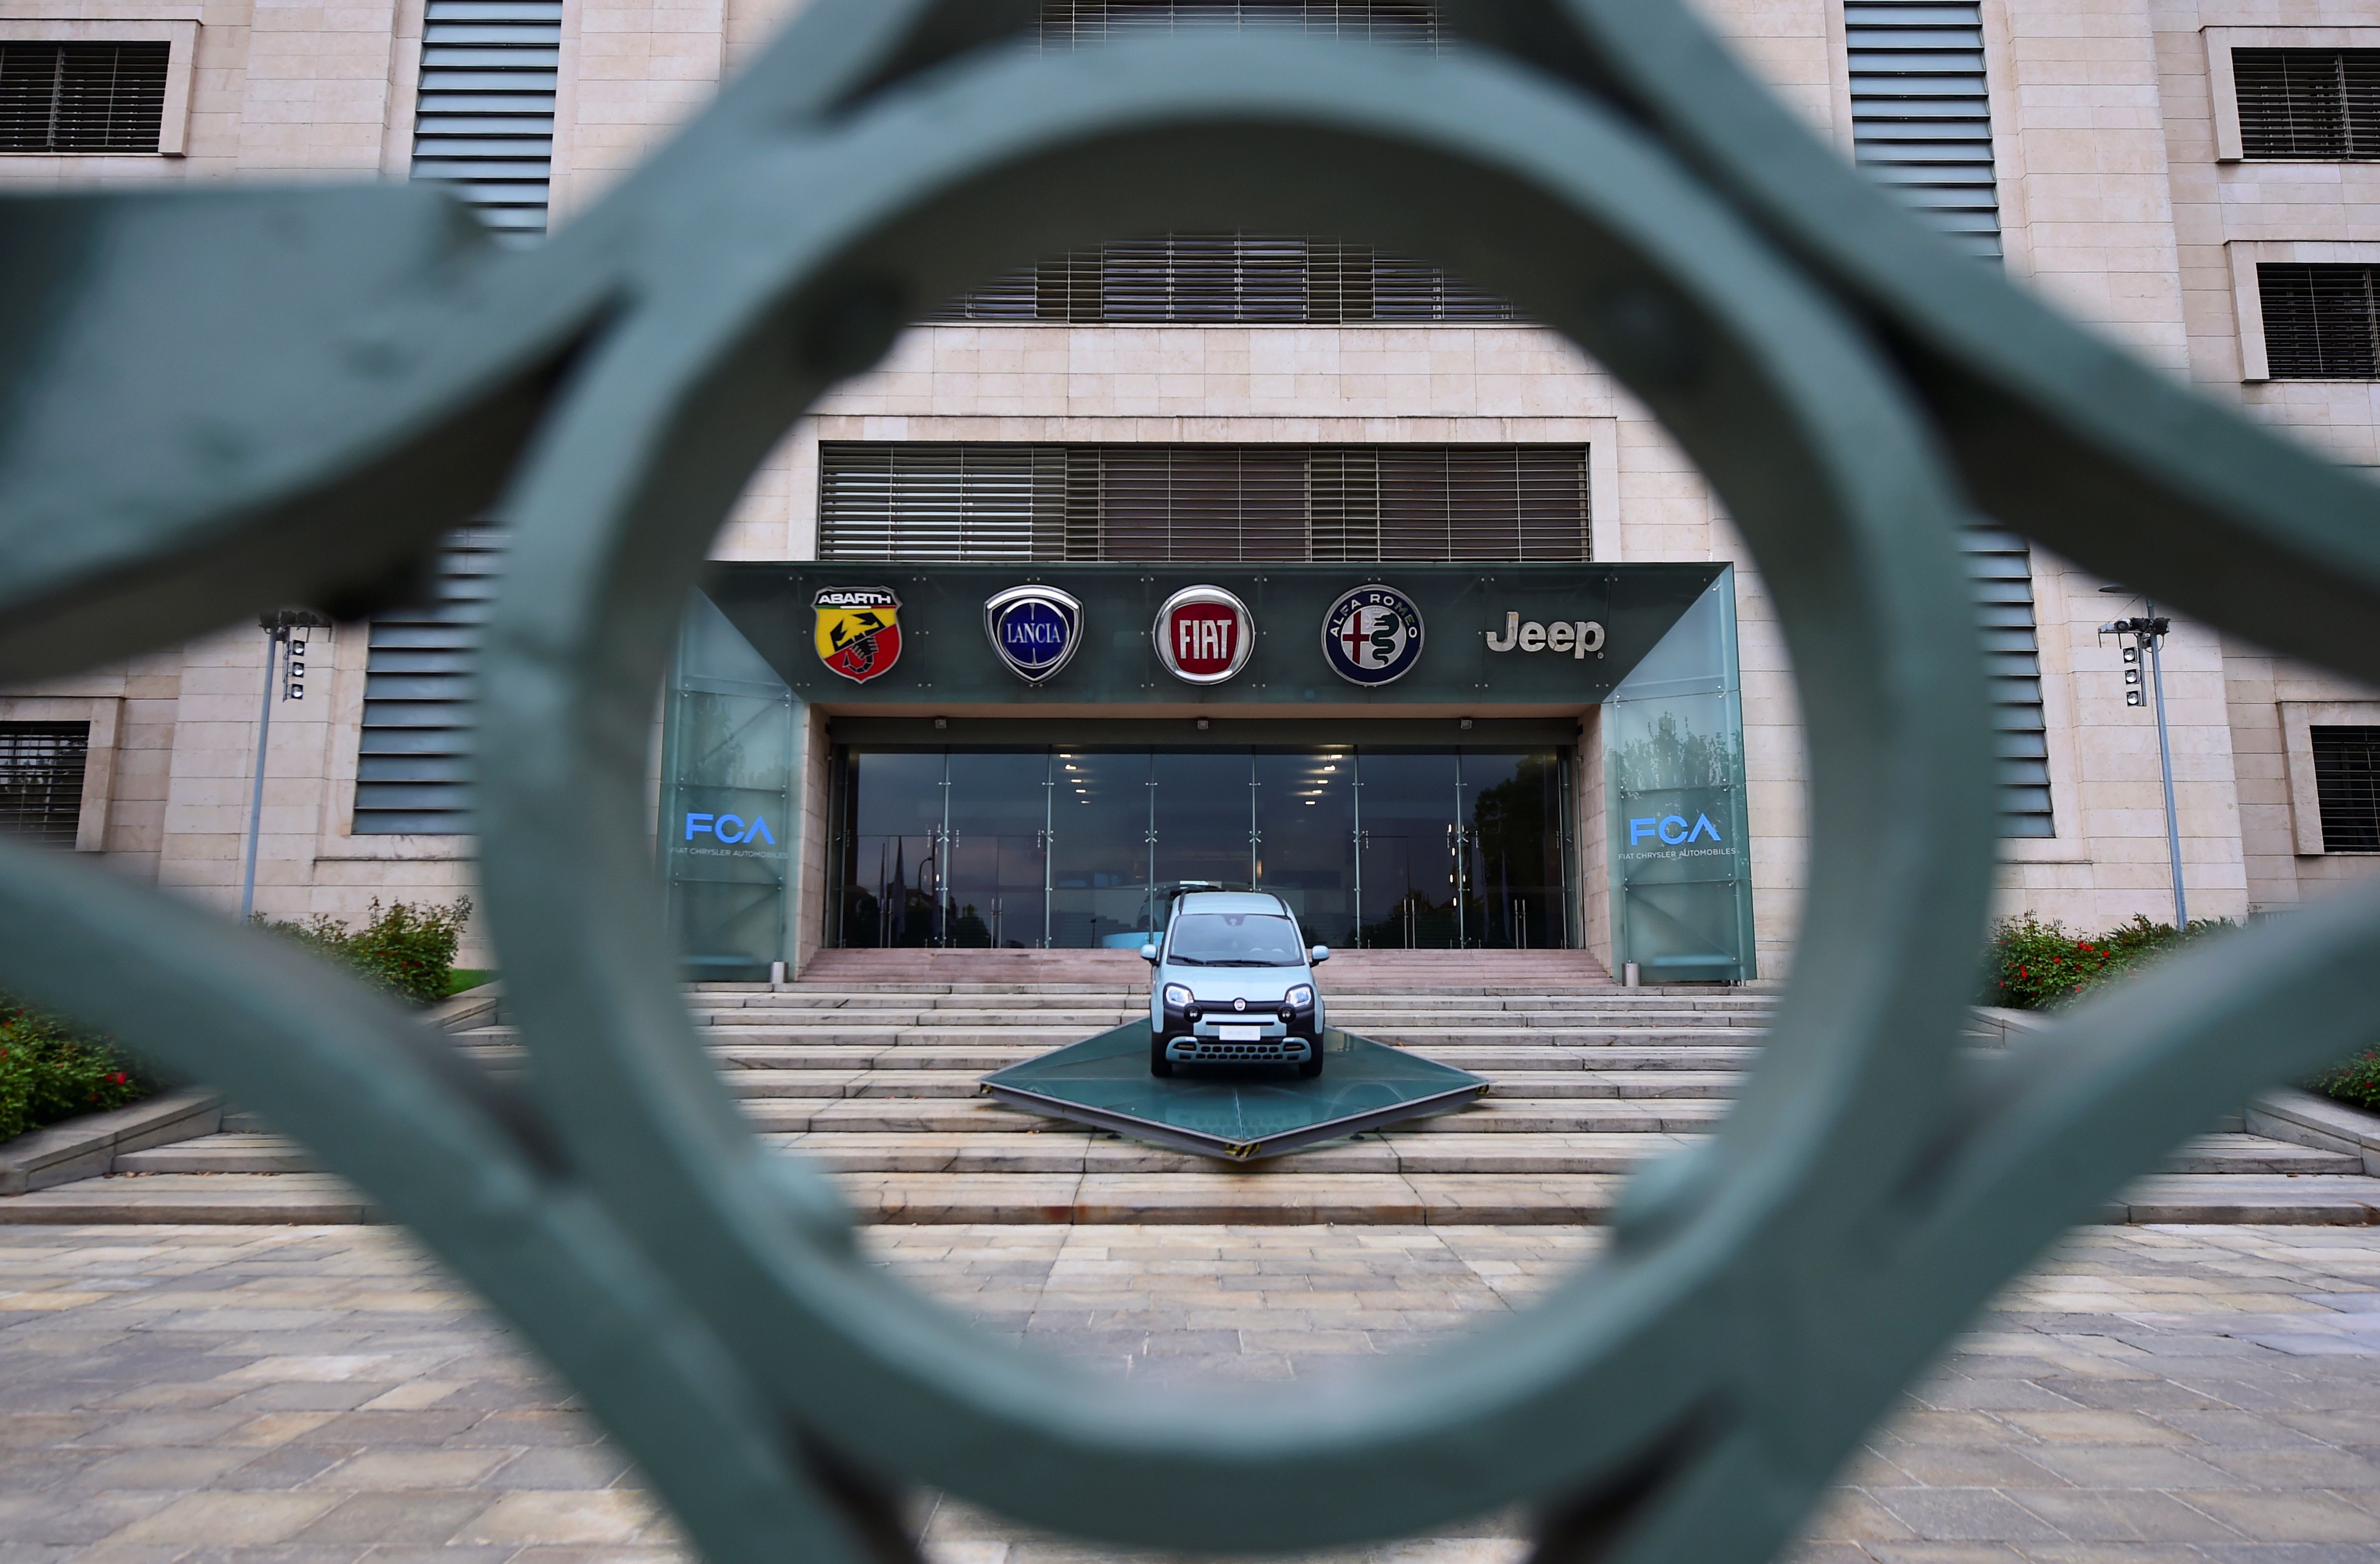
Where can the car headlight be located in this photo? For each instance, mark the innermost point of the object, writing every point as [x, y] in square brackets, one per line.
[1176, 997]
[1301, 997]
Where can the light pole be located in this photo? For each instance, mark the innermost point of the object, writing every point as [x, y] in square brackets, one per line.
[2147, 631]
[282, 626]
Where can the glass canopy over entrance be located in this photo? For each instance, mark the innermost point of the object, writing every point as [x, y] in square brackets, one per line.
[1080, 847]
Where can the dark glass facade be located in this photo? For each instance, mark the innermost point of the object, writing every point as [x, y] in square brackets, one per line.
[1080, 847]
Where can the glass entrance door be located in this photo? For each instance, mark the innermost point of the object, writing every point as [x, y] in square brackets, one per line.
[1099, 849]
[1076, 848]
[1406, 825]
[995, 881]
[1305, 839]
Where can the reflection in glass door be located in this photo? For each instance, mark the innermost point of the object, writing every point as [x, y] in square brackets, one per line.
[1305, 839]
[1099, 849]
[1076, 849]
[1509, 869]
[1405, 834]
[892, 882]
[996, 827]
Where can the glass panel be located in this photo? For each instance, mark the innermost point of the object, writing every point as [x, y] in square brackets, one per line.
[1680, 863]
[892, 878]
[1306, 830]
[992, 893]
[1204, 820]
[1513, 872]
[726, 816]
[1406, 814]
[1098, 850]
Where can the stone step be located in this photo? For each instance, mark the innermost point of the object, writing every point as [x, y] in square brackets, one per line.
[1056, 1148]
[1490, 1116]
[1205, 1195]
[939, 1084]
[986, 1057]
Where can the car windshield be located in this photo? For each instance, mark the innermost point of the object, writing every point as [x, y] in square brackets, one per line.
[1235, 939]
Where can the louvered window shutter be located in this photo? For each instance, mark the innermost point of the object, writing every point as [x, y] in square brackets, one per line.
[2321, 322]
[1205, 504]
[2347, 788]
[483, 121]
[1068, 24]
[1228, 279]
[42, 768]
[1921, 115]
[412, 763]
[2311, 104]
[81, 98]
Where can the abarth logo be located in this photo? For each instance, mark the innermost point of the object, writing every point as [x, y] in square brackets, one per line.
[1372, 635]
[858, 631]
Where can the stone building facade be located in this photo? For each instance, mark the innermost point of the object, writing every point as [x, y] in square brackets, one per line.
[2120, 158]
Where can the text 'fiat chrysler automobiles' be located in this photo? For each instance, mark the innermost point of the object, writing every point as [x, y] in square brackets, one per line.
[1233, 985]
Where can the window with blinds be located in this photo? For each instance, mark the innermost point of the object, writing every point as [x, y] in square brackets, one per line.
[1205, 504]
[41, 779]
[82, 97]
[1921, 115]
[484, 119]
[412, 766]
[1067, 24]
[2347, 786]
[1229, 279]
[2002, 577]
[2321, 105]
[2321, 322]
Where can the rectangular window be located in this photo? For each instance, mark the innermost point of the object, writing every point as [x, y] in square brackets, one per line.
[2321, 105]
[1066, 24]
[484, 119]
[1209, 504]
[412, 764]
[1922, 113]
[41, 779]
[2347, 782]
[82, 97]
[2321, 322]
[1228, 279]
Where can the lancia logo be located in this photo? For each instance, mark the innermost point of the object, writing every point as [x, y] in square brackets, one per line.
[1204, 635]
[859, 630]
[1372, 635]
[1033, 628]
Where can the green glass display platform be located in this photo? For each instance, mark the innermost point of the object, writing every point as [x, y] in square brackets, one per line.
[1235, 1112]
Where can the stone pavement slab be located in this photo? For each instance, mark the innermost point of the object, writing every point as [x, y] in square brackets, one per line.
[224, 1394]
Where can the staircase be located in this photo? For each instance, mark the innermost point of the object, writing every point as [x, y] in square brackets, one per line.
[869, 1066]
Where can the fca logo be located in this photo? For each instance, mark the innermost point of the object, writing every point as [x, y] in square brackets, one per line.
[729, 828]
[1650, 826]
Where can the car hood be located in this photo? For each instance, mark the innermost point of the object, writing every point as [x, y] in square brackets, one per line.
[1227, 983]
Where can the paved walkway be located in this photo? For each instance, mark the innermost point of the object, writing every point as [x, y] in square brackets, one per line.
[323, 1396]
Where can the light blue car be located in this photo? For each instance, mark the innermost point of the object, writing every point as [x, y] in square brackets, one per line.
[1233, 985]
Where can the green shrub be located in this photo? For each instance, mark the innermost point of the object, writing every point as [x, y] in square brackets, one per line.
[406, 950]
[2035, 963]
[48, 1071]
[2356, 1083]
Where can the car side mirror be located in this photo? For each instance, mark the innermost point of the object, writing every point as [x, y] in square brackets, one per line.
[1318, 955]
[1148, 954]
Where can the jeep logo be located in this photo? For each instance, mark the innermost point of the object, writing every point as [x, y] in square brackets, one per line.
[1577, 637]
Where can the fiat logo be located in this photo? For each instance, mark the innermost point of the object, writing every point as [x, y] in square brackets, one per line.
[1204, 635]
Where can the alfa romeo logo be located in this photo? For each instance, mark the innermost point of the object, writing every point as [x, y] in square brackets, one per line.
[859, 630]
[1372, 635]
[1033, 628]
[1204, 635]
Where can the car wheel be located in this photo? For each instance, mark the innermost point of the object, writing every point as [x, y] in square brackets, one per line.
[1159, 1065]
[1311, 1066]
